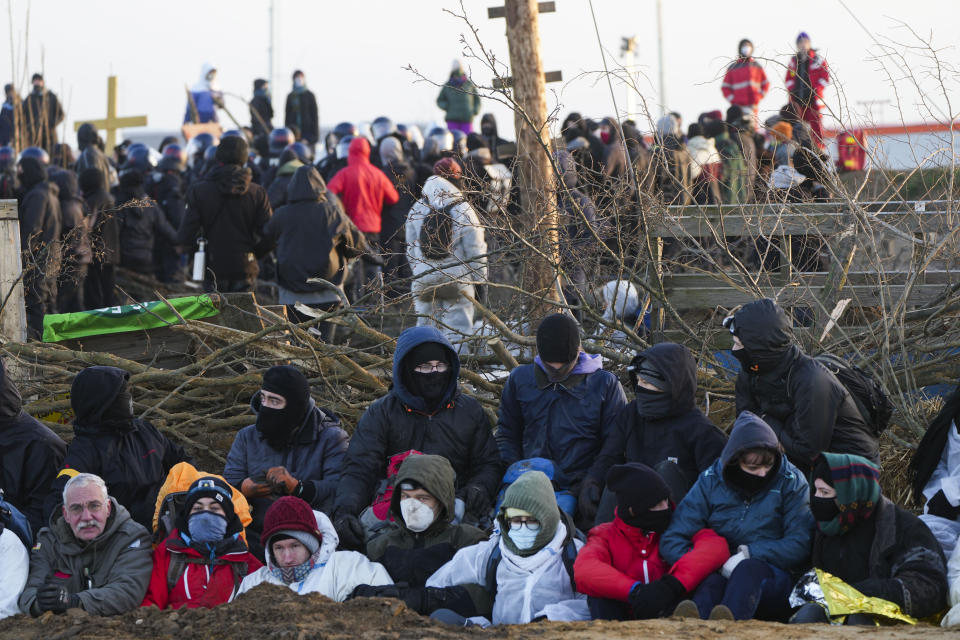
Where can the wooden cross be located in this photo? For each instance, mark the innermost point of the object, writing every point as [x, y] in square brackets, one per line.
[501, 12]
[112, 122]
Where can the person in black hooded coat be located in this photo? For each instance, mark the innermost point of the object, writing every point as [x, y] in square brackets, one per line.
[662, 427]
[30, 454]
[231, 212]
[130, 454]
[801, 400]
[104, 240]
[40, 224]
[75, 237]
[140, 226]
[488, 129]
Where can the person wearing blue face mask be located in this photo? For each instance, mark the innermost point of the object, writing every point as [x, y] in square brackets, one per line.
[203, 561]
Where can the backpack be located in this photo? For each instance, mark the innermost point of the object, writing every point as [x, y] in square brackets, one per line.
[569, 557]
[13, 519]
[179, 562]
[868, 394]
[436, 232]
[381, 503]
[565, 500]
[173, 492]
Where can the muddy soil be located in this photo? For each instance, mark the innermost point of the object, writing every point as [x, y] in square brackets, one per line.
[274, 613]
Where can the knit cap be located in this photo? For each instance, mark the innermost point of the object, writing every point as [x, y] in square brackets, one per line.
[232, 150]
[293, 518]
[531, 492]
[782, 131]
[857, 482]
[558, 338]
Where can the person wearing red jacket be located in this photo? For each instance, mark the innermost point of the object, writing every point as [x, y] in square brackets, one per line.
[203, 561]
[745, 83]
[620, 568]
[807, 77]
[365, 190]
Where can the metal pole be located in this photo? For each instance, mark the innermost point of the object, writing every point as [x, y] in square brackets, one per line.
[663, 85]
[272, 50]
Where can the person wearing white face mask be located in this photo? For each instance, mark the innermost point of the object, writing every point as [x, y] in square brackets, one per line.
[526, 565]
[745, 83]
[423, 538]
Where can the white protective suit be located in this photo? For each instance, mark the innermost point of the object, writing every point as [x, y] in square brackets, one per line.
[437, 284]
[947, 477]
[15, 567]
[527, 588]
[338, 572]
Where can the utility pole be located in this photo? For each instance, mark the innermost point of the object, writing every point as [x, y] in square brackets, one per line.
[628, 49]
[533, 167]
[660, 60]
[271, 51]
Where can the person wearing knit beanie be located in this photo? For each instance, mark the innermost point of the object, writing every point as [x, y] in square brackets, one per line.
[558, 342]
[531, 496]
[232, 150]
[209, 494]
[291, 518]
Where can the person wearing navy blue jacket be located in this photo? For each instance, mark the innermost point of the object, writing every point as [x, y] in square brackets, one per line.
[759, 502]
[561, 407]
[426, 412]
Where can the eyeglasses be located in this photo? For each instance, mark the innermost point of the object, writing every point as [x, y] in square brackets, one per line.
[520, 521]
[440, 367]
[93, 508]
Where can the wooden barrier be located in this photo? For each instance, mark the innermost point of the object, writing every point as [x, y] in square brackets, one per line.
[13, 318]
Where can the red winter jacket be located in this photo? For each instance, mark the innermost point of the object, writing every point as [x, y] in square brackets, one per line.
[200, 585]
[745, 83]
[364, 189]
[617, 556]
[818, 74]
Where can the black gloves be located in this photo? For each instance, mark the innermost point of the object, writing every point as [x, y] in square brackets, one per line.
[350, 532]
[589, 499]
[423, 600]
[939, 506]
[655, 599]
[475, 501]
[372, 259]
[56, 598]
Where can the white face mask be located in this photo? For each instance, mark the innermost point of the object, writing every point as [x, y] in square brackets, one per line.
[523, 537]
[746, 51]
[416, 515]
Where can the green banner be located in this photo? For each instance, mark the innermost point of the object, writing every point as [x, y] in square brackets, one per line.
[129, 317]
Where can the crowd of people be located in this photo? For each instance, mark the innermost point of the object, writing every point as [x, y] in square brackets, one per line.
[578, 505]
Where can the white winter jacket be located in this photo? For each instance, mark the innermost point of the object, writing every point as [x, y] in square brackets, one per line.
[527, 588]
[702, 151]
[945, 477]
[338, 572]
[464, 265]
[14, 567]
[952, 619]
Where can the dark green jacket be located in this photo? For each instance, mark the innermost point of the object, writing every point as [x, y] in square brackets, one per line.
[459, 99]
[732, 184]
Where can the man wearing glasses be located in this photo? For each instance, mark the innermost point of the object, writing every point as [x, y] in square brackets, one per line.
[93, 556]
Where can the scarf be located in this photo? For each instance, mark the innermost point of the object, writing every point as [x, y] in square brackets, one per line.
[289, 575]
[857, 481]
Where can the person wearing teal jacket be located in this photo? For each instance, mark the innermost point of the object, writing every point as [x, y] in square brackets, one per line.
[459, 100]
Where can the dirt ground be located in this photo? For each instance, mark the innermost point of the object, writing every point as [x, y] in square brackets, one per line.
[270, 612]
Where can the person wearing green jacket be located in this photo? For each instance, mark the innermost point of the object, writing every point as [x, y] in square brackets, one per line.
[459, 100]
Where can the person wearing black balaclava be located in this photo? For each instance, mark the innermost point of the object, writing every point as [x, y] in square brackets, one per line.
[662, 427]
[294, 448]
[620, 568]
[423, 411]
[561, 407]
[802, 401]
[130, 454]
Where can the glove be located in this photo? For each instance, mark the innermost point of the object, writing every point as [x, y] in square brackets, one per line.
[56, 598]
[475, 500]
[589, 499]
[654, 599]
[350, 532]
[372, 259]
[732, 563]
[938, 505]
[370, 591]
[253, 489]
[281, 480]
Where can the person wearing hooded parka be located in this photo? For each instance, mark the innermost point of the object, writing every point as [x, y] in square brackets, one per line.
[758, 501]
[130, 454]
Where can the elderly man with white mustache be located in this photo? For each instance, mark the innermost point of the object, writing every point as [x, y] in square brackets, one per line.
[92, 555]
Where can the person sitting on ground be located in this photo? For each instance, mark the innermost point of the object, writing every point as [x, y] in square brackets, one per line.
[873, 545]
[662, 427]
[952, 619]
[301, 554]
[423, 411]
[93, 556]
[294, 448]
[30, 454]
[526, 565]
[620, 568]
[15, 560]
[203, 560]
[130, 454]
[801, 400]
[759, 502]
[423, 537]
[562, 408]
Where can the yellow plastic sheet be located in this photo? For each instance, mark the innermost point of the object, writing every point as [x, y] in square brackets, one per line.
[843, 600]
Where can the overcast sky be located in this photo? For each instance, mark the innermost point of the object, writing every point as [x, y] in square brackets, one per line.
[354, 53]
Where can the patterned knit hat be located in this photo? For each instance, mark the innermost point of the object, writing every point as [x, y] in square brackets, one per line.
[857, 481]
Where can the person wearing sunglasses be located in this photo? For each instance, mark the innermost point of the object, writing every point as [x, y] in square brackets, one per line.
[93, 556]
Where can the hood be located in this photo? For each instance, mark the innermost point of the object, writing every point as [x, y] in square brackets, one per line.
[668, 126]
[32, 174]
[66, 181]
[86, 136]
[763, 327]
[391, 151]
[567, 167]
[679, 368]
[327, 545]
[359, 151]
[10, 400]
[489, 118]
[749, 432]
[288, 168]
[202, 84]
[70, 546]
[434, 474]
[439, 192]
[92, 393]
[306, 185]
[410, 338]
[231, 179]
[614, 130]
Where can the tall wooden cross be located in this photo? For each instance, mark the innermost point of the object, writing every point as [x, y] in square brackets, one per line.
[112, 122]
